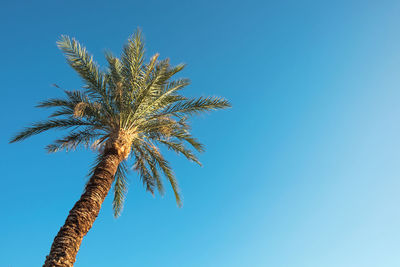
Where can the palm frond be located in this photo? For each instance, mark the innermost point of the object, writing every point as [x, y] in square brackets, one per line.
[164, 100]
[73, 140]
[155, 174]
[147, 81]
[184, 135]
[141, 158]
[180, 149]
[166, 169]
[196, 106]
[120, 188]
[54, 102]
[164, 165]
[82, 62]
[40, 127]
[115, 68]
[132, 59]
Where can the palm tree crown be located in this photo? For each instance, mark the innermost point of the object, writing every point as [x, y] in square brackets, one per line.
[132, 104]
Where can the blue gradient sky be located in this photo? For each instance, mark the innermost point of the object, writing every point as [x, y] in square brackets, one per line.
[302, 171]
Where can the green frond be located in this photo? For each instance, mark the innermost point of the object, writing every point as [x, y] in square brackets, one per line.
[166, 169]
[164, 100]
[197, 105]
[76, 96]
[162, 125]
[174, 70]
[147, 82]
[73, 140]
[156, 176]
[141, 159]
[120, 188]
[115, 67]
[164, 165]
[62, 112]
[65, 107]
[132, 58]
[184, 135]
[114, 77]
[40, 127]
[177, 85]
[180, 149]
[82, 62]
[162, 75]
[54, 102]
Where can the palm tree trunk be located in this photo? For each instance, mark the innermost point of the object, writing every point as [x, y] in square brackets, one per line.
[82, 216]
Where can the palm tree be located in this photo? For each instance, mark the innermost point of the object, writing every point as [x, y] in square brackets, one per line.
[124, 112]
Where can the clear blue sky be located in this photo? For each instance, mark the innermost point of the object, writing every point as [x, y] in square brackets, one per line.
[303, 171]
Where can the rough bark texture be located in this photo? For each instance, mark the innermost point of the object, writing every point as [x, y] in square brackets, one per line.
[82, 216]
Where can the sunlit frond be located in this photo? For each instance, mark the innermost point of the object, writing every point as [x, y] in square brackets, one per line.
[82, 62]
[196, 106]
[132, 59]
